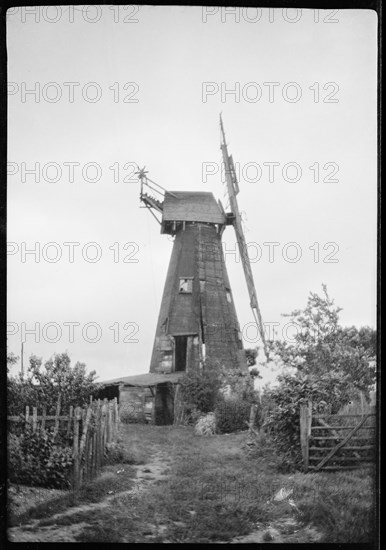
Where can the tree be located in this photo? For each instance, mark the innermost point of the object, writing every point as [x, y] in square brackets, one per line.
[254, 373]
[43, 384]
[324, 362]
[251, 355]
[340, 361]
[12, 359]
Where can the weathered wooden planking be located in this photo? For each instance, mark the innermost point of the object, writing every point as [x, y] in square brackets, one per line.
[341, 427]
[305, 430]
[355, 448]
[344, 458]
[335, 416]
[341, 443]
[327, 437]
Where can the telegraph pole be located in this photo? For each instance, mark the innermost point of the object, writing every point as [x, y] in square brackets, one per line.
[22, 360]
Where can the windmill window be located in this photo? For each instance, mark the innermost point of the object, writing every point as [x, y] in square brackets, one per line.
[186, 285]
[229, 296]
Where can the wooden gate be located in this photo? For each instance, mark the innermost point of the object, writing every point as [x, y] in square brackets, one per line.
[336, 442]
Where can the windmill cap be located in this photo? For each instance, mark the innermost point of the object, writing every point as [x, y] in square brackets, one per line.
[191, 206]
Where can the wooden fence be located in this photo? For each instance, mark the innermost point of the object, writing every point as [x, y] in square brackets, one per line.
[336, 442]
[89, 430]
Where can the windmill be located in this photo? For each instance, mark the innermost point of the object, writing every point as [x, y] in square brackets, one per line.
[197, 318]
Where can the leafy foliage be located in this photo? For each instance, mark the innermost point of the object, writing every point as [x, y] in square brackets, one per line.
[231, 415]
[340, 360]
[281, 407]
[202, 388]
[255, 373]
[227, 393]
[233, 409]
[323, 362]
[12, 359]
[43, 385]
[38, 459]
[251, 355]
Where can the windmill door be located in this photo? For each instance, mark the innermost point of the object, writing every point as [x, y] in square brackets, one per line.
[180, 353]
[164, 405]
[185, 352]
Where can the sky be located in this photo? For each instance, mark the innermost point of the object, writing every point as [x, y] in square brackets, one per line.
[95, 91]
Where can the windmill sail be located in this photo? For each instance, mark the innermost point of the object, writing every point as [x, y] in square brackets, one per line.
[233, 190]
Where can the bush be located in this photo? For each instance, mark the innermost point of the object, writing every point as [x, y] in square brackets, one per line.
[201, 388]
[206, 425]
[281, 407]
[232, 414]
[191, 415]
[206, 391]
[233, 409]
[36, 458]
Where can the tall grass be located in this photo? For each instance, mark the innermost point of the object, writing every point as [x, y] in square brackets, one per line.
[215, 492]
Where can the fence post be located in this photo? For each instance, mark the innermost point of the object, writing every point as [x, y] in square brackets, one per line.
[26, 414]
[153, 408]
[107, 428]
[305, 430]
[94, 470]
[111, 423]
[69, 420]
[108, 422]
[87, 452]
[75, 454]
[116, 418]
[34, 418]
[97, 438]
[56, 429]
[83, 441]
[103, 430]
[113, 430]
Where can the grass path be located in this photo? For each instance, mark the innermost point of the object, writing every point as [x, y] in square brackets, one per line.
[178, 487]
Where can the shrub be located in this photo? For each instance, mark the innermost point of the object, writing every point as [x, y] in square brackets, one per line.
[281, 408]
[233, 409]
[206, 425]
[228, 393]
[201, 388]
[232, 414]
[36, 458]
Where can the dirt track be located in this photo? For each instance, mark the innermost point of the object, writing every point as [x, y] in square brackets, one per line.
[75, 522]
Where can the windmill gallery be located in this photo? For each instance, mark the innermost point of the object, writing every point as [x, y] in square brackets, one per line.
[197, 317]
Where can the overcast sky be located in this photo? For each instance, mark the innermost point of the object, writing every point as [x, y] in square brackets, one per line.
[117, 87]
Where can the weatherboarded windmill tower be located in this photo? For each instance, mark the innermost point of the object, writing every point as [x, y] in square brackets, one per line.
[197, 318]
